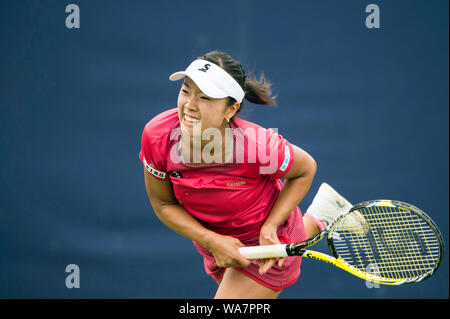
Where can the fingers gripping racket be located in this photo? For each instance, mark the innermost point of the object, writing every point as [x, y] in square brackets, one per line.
[383, 241]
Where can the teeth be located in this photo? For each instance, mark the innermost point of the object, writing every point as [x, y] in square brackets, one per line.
[191, 119]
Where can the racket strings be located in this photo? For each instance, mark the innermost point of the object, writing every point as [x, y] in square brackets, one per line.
[395, 244]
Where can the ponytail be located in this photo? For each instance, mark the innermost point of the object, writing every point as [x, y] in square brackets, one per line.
[257, 91]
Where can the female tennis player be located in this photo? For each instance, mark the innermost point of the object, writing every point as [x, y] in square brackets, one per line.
[215, 179]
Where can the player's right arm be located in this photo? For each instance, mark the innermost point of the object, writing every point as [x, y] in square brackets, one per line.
[225, 249]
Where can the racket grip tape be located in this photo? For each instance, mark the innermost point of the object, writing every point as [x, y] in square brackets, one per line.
[267, 251]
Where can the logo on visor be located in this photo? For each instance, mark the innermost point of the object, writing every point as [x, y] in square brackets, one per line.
[205, 68]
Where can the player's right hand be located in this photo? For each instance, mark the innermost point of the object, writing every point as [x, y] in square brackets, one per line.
[225, 250]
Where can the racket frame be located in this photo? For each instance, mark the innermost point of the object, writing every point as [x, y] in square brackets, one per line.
[299, 249]
[341, 263]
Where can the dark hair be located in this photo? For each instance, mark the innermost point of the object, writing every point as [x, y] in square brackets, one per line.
[256, 90]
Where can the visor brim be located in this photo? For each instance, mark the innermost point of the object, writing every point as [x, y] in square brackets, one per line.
[203, 84]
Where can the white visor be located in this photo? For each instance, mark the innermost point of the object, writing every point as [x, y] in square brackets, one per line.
[212, 80]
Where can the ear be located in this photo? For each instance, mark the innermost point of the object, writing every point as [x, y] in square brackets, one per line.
[231, 110]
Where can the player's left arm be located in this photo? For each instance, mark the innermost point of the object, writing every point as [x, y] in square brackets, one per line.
[297, 183]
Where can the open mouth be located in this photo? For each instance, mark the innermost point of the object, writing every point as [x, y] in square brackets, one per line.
[190, 120]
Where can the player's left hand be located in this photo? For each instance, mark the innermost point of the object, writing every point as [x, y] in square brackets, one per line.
[268, 236]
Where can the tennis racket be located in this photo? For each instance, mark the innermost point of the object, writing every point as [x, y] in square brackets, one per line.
[382, 241]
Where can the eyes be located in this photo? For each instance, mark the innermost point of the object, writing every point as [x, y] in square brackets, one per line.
[202, 97]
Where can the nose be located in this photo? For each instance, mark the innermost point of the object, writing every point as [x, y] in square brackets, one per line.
[190, 104]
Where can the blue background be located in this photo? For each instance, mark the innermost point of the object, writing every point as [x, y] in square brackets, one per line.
[370, 105]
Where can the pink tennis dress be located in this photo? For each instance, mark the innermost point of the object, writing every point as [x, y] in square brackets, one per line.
[232, 198]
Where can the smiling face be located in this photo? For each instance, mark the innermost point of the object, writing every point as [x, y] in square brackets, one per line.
[197, 110]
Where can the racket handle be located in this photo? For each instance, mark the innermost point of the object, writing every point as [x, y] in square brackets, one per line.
[268, 251]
